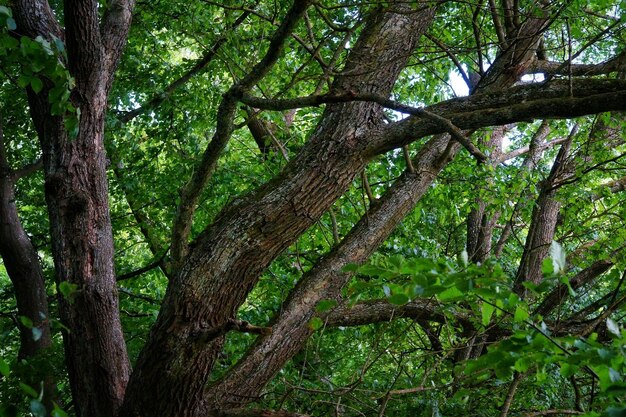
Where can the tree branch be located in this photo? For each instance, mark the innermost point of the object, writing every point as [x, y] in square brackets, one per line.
[114, 32]
[558, 295]
[190, 193]
[522, 103]
[378, 311]
[196, 69]
[616, 64]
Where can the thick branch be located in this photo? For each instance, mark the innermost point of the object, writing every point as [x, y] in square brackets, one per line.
[522, 103]
[377, 311]
[114, 32]
[615, 64]
[36, 18]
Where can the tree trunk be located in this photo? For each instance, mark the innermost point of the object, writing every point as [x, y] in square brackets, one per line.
[24, 270]
[77, 197]
[543, 223]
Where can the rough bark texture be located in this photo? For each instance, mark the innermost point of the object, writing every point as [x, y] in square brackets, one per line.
[325, 281]
[77, 198]
[481, 221]
[543, 223]
[190, 193]
[535, 150]
[290, 330]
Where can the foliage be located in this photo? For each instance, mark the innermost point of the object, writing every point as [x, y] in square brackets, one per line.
[479, 340]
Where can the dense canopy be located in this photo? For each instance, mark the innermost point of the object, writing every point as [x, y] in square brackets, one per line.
[312, 207]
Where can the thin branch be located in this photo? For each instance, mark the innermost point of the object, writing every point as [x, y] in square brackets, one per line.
[225, 115]
[526, 149]
[479, 47]
[407, 159]
[453, 57]
[230, 325]
[551, 412]
[504, 411]
[152, 265]
[247, 412]
[498, 25]
[591, 42]
[367, 188]
[28, 169]
[197, 68]
[315, 100]
[379, 311]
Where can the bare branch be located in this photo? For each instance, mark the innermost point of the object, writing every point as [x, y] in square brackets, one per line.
[558, 295]
[378, 311]
[152, 265]
[248, 412]
[28, 169]
[526, 149]
[36, 18]
[114, 31]
[615, 64]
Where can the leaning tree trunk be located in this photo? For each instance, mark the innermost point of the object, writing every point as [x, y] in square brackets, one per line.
[24, 269]
[77, 197]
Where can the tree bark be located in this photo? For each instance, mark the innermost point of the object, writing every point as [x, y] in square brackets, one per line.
[543, 222]
[24, 269]
[77, 198]
[290, 330]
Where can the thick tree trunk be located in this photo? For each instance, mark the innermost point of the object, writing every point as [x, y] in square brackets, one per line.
[543, 223]
[227, 259]
[82, 245]
[290, 330]
[77, 197]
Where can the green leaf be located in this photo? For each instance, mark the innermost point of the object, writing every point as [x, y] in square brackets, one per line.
[37, 408]
[26, 322]
[520, 314]
[58, 412]
[558, 257]
[36, 84]
[616, 411]
[67, 289]
[547, 267]
[325, 305]
[29, 390]
[350, 268]
[450, 294]
[463, 258]
[316, 323]
[36, 333]
[5, 369]
[486, 312]
[11, 25]
[613, 327]
[398, 299]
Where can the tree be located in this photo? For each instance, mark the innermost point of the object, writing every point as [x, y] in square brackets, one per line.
[163, 121]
